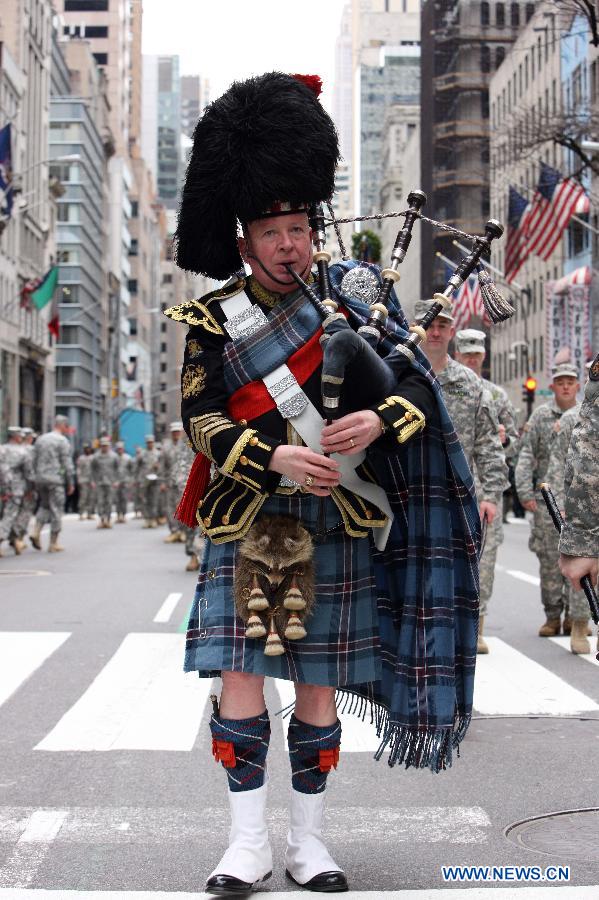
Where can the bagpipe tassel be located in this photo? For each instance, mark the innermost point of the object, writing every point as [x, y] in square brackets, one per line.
[274, 646]
[497, 307]
[295, 630]
[255, 627]
[257, 600]
[197, 482]
[294, 599]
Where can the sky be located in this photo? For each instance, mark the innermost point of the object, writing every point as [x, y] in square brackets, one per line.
[228, 40]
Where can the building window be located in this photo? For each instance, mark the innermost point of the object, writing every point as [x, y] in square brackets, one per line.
[132, 285]
[133, 327]
[499, 56]
[484, 105]
[133, 249]
[163, 347]
[530, 11]
[86, 31]
[101, 58]
[163, 385]
[167, 278]
[515, 15]
[69, 293]
[485, 58]
[500, 15]
[485, 16]
[163, 328]
[134, 209]
[65, 377]
[69, 334]
[163, 367]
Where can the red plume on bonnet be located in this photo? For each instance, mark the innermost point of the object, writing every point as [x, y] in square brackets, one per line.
[314, 82]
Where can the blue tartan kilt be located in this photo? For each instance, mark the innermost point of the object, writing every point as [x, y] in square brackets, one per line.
[342, 646]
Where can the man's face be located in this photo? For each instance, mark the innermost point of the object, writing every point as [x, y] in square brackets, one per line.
[88, 451]
[16, 438]
[565, 389]
[150, 445]
[120, 450]
[104, 448]
[473, 361]
[175, 436]
[439, 335]
[275, 242]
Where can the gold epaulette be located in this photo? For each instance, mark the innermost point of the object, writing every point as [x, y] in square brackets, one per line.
[196, 312]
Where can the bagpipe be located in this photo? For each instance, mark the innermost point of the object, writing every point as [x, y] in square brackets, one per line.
[350, 355]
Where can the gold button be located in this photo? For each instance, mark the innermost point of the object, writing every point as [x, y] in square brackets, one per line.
[243, 460]
[207, 521]
[225, 520]
[390, 401]
[408, 417]
[212, 573]
[368, 513]
[254, 441]
[243, 421]
[237, 476]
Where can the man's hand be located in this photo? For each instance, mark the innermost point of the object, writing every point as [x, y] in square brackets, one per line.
[530, 505]
[70, 490]
[163, 487]
[501, 433]
[315, 473]
[351, 433]
[487, 510]
[576, 567]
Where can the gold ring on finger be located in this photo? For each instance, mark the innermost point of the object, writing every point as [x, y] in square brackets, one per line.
[352, 443]
[309, 480]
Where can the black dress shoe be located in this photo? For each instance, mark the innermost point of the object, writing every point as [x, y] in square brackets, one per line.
[228, 884]
[325, 882]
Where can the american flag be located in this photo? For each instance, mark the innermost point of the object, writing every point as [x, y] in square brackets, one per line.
[517, 248]
[468, 303]
[554, 204]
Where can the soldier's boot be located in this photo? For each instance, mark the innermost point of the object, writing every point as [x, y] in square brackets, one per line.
[54, 545]
[579, 642]
[567, 625]
[153, 523]
[35, 536]
[18, 545]
[1, 553]
[182, 537]
[108, 522]
[89, 516]
[147, 524]
[120, 519]
[81, 516]
[193, 565]
[173, 538]
[481, 644]
[162, 520]
[100, 524]
[551, 628]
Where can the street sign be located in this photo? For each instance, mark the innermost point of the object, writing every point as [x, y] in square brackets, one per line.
[544, 392]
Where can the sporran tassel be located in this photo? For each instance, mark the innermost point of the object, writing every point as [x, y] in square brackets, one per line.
[498, 309]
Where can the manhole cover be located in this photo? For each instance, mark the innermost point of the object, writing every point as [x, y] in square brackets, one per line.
[573, 833]
[21, 573]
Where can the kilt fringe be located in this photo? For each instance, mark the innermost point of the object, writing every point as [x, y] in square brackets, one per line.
[418, 747]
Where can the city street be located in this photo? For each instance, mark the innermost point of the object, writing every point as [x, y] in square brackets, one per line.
[107, 784]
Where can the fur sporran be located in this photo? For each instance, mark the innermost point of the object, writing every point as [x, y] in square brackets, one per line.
[274, 581]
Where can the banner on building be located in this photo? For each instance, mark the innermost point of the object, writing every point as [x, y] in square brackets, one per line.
[568, 321]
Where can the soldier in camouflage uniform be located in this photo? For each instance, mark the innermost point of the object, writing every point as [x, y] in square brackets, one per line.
[14, 457]
[29, 501]
[472, 412]
[470, 345]
[104, 472]
[172, 493]
[54, 472]
[148, 470]
[579, 540]
[124, 478]
[531, 470]
[576, 616]
[182, 461]
[84, 481]
[137, 485]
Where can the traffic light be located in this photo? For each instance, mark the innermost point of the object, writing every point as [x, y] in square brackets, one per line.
[528, 392]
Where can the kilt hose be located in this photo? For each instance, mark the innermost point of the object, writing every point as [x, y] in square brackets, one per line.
[342, 644]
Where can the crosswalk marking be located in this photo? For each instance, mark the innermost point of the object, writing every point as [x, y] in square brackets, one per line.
[588, 657]
[556, 892]
[358, 736]
[167, 608]
[509, 683]
[141, 700]
[21, 653]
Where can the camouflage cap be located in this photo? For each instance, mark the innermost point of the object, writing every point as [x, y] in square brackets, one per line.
[470, 340]
[119, 445]
[104, 442]
[564, 369]
[421, 307]
[150, 437]
[14, 431]
[27, 431]
[176, 426]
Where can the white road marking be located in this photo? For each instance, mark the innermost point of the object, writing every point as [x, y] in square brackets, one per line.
[556, 892]
[524, 576]
[167, 608]
[21, 653]
[509, 683]
[141, 700]
[357, 736]
[588, 657]
[32, 847]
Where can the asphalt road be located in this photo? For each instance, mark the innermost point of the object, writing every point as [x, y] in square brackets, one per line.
[107, 785]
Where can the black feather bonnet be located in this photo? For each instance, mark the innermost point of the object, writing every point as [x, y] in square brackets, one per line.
[267, 139]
